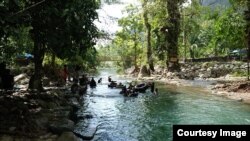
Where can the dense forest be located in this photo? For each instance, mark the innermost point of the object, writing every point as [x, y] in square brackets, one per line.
[153, 32]
[165, 32]
[48, 29]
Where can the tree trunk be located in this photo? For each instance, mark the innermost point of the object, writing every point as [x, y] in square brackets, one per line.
[36, 79]
[53, 59]
[135, 53]
[247, 16]
[172, 33]
[148, 28]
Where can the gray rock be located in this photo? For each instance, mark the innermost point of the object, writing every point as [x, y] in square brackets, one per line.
[20, 77]
[209, 69]
[220, 86]
[68, 136]
[46, 81]
[202, 70]
[87, 133]
[183, 70]
[46, 136]
[61, 125]
[74, 102]
[12, 129]
[221, 67]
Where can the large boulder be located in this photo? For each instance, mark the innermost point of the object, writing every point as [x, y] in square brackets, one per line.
[86, 133]
[20, 77]
[61, 125]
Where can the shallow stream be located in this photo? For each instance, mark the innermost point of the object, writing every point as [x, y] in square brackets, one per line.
[150, 117]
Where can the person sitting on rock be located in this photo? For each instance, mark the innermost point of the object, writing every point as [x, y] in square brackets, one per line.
[92, 82]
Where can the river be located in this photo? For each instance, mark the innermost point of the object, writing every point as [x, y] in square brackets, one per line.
[149, 117]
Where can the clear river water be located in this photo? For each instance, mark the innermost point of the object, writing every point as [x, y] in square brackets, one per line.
[149, 117]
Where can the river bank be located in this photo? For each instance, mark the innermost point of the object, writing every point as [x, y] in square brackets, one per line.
[235, 88]
[31, 116]
[214, 77]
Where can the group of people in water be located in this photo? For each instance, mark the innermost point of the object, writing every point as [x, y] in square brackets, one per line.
[80, 83]
[133, 90]
[73, 76]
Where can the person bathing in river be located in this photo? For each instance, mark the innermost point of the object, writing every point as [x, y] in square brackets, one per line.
[120, 84]
[130, 86]
[109, 79]
[100, 80]
[156, 91]
[124, 90]
[84, 80]
[92, 82]
[152, 87]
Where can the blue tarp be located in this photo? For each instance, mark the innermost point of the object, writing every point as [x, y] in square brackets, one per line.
[26, 56]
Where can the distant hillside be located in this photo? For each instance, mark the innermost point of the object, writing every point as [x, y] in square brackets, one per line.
[215, 3]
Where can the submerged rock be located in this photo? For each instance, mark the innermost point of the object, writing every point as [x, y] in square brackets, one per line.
[87, 133]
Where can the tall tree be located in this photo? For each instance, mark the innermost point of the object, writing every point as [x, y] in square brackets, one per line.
[172, 32]
[64, 26]
[132, 30]
[247, 14]
[148, 34]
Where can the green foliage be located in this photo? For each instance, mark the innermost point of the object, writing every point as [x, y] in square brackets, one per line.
[64, 27]
[16, 42]
[129, 41]
[239, 73]
[229, 31]
[48, 59]
[213, 32]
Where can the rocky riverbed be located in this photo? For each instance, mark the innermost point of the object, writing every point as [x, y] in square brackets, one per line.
[211, 76]
[46, 116]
